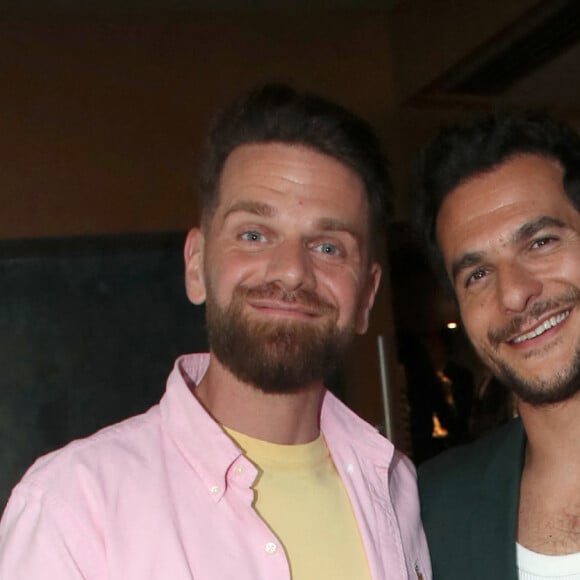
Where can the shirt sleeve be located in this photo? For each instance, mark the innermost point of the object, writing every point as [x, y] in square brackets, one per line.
[42, 538]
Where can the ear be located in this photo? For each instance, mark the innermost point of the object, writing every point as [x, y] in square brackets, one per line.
[368, 298]
[193, 256]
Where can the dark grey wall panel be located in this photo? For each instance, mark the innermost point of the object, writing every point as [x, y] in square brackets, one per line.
[89, 330]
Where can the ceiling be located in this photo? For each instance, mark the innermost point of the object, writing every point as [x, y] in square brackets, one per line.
[533, 62]
[38, 8]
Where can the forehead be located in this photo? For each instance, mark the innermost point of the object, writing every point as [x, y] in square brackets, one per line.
[276, 172]
[488, 208]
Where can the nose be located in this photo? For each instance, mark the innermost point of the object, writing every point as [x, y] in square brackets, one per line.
[290, 265]
[517, 287]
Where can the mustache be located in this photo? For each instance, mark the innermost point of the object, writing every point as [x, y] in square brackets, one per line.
[274, 291]
[514, 327]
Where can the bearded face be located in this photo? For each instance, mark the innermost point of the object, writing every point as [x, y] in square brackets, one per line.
[563, 382]
[510, 238]
[276, 355]
[284, 265]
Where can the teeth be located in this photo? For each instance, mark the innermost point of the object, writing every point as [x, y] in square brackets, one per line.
[550, 323]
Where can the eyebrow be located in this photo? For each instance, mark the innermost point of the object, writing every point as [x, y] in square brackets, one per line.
[254, 207]
[262, 209]
[523, 233]
[530, 229]
[468, 260]
[336, 225]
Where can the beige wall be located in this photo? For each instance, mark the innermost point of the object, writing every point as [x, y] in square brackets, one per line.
[103, 120]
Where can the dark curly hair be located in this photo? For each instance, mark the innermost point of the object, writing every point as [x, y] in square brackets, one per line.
[276, 113]
[463, 151]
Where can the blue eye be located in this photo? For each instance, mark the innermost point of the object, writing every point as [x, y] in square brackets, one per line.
[252, 236]
[327, 248]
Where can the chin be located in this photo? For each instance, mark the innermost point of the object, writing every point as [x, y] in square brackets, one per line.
[543, 391]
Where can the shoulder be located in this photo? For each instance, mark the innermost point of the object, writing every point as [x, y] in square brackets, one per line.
[466, 460]
[339, 422]
[56, 517]
[88, 462]
[460, 469]
[468, 499]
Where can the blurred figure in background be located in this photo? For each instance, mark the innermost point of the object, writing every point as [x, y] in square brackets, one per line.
[457, 383]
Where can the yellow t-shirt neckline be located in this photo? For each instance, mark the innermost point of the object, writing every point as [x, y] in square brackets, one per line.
[300, 496]
[275, 455]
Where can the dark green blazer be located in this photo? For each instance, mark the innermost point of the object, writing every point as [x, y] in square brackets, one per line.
[469, 506]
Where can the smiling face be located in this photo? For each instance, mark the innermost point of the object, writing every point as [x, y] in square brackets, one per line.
[284, 265]
[510, 239]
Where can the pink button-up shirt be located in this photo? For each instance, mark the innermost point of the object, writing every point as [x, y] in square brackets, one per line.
[167, 495]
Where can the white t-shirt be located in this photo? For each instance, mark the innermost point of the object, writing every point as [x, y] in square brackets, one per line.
[534, 566]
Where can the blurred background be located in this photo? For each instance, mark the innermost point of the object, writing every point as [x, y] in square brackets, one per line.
[104, 107]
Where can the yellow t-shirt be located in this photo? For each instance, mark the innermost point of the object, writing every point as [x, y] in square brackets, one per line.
[300, 495]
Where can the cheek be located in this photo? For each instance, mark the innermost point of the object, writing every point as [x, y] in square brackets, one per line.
[220, 282]
[569, 269]
[227, 270]
[476, 323]
[347, 293]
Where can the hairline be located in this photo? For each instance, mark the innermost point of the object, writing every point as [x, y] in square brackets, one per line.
[209, 211]
[482, 173]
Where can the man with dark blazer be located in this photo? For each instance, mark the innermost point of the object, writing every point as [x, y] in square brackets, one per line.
[499, 208]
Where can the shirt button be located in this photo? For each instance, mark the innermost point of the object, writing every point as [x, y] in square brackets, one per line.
[271, 548]
[214, 490]
[350, 468]
[239, 470]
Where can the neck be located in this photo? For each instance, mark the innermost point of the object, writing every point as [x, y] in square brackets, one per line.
[549, 511]
[283, 418]
[553, 433]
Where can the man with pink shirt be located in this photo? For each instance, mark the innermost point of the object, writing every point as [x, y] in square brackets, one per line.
[248, 467]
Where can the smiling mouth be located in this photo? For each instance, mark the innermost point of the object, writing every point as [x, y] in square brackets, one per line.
[541, 328]
[290, 309]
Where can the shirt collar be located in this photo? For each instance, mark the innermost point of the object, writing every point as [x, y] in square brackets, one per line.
[344, 429]
[211, 452]
[200, 439]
